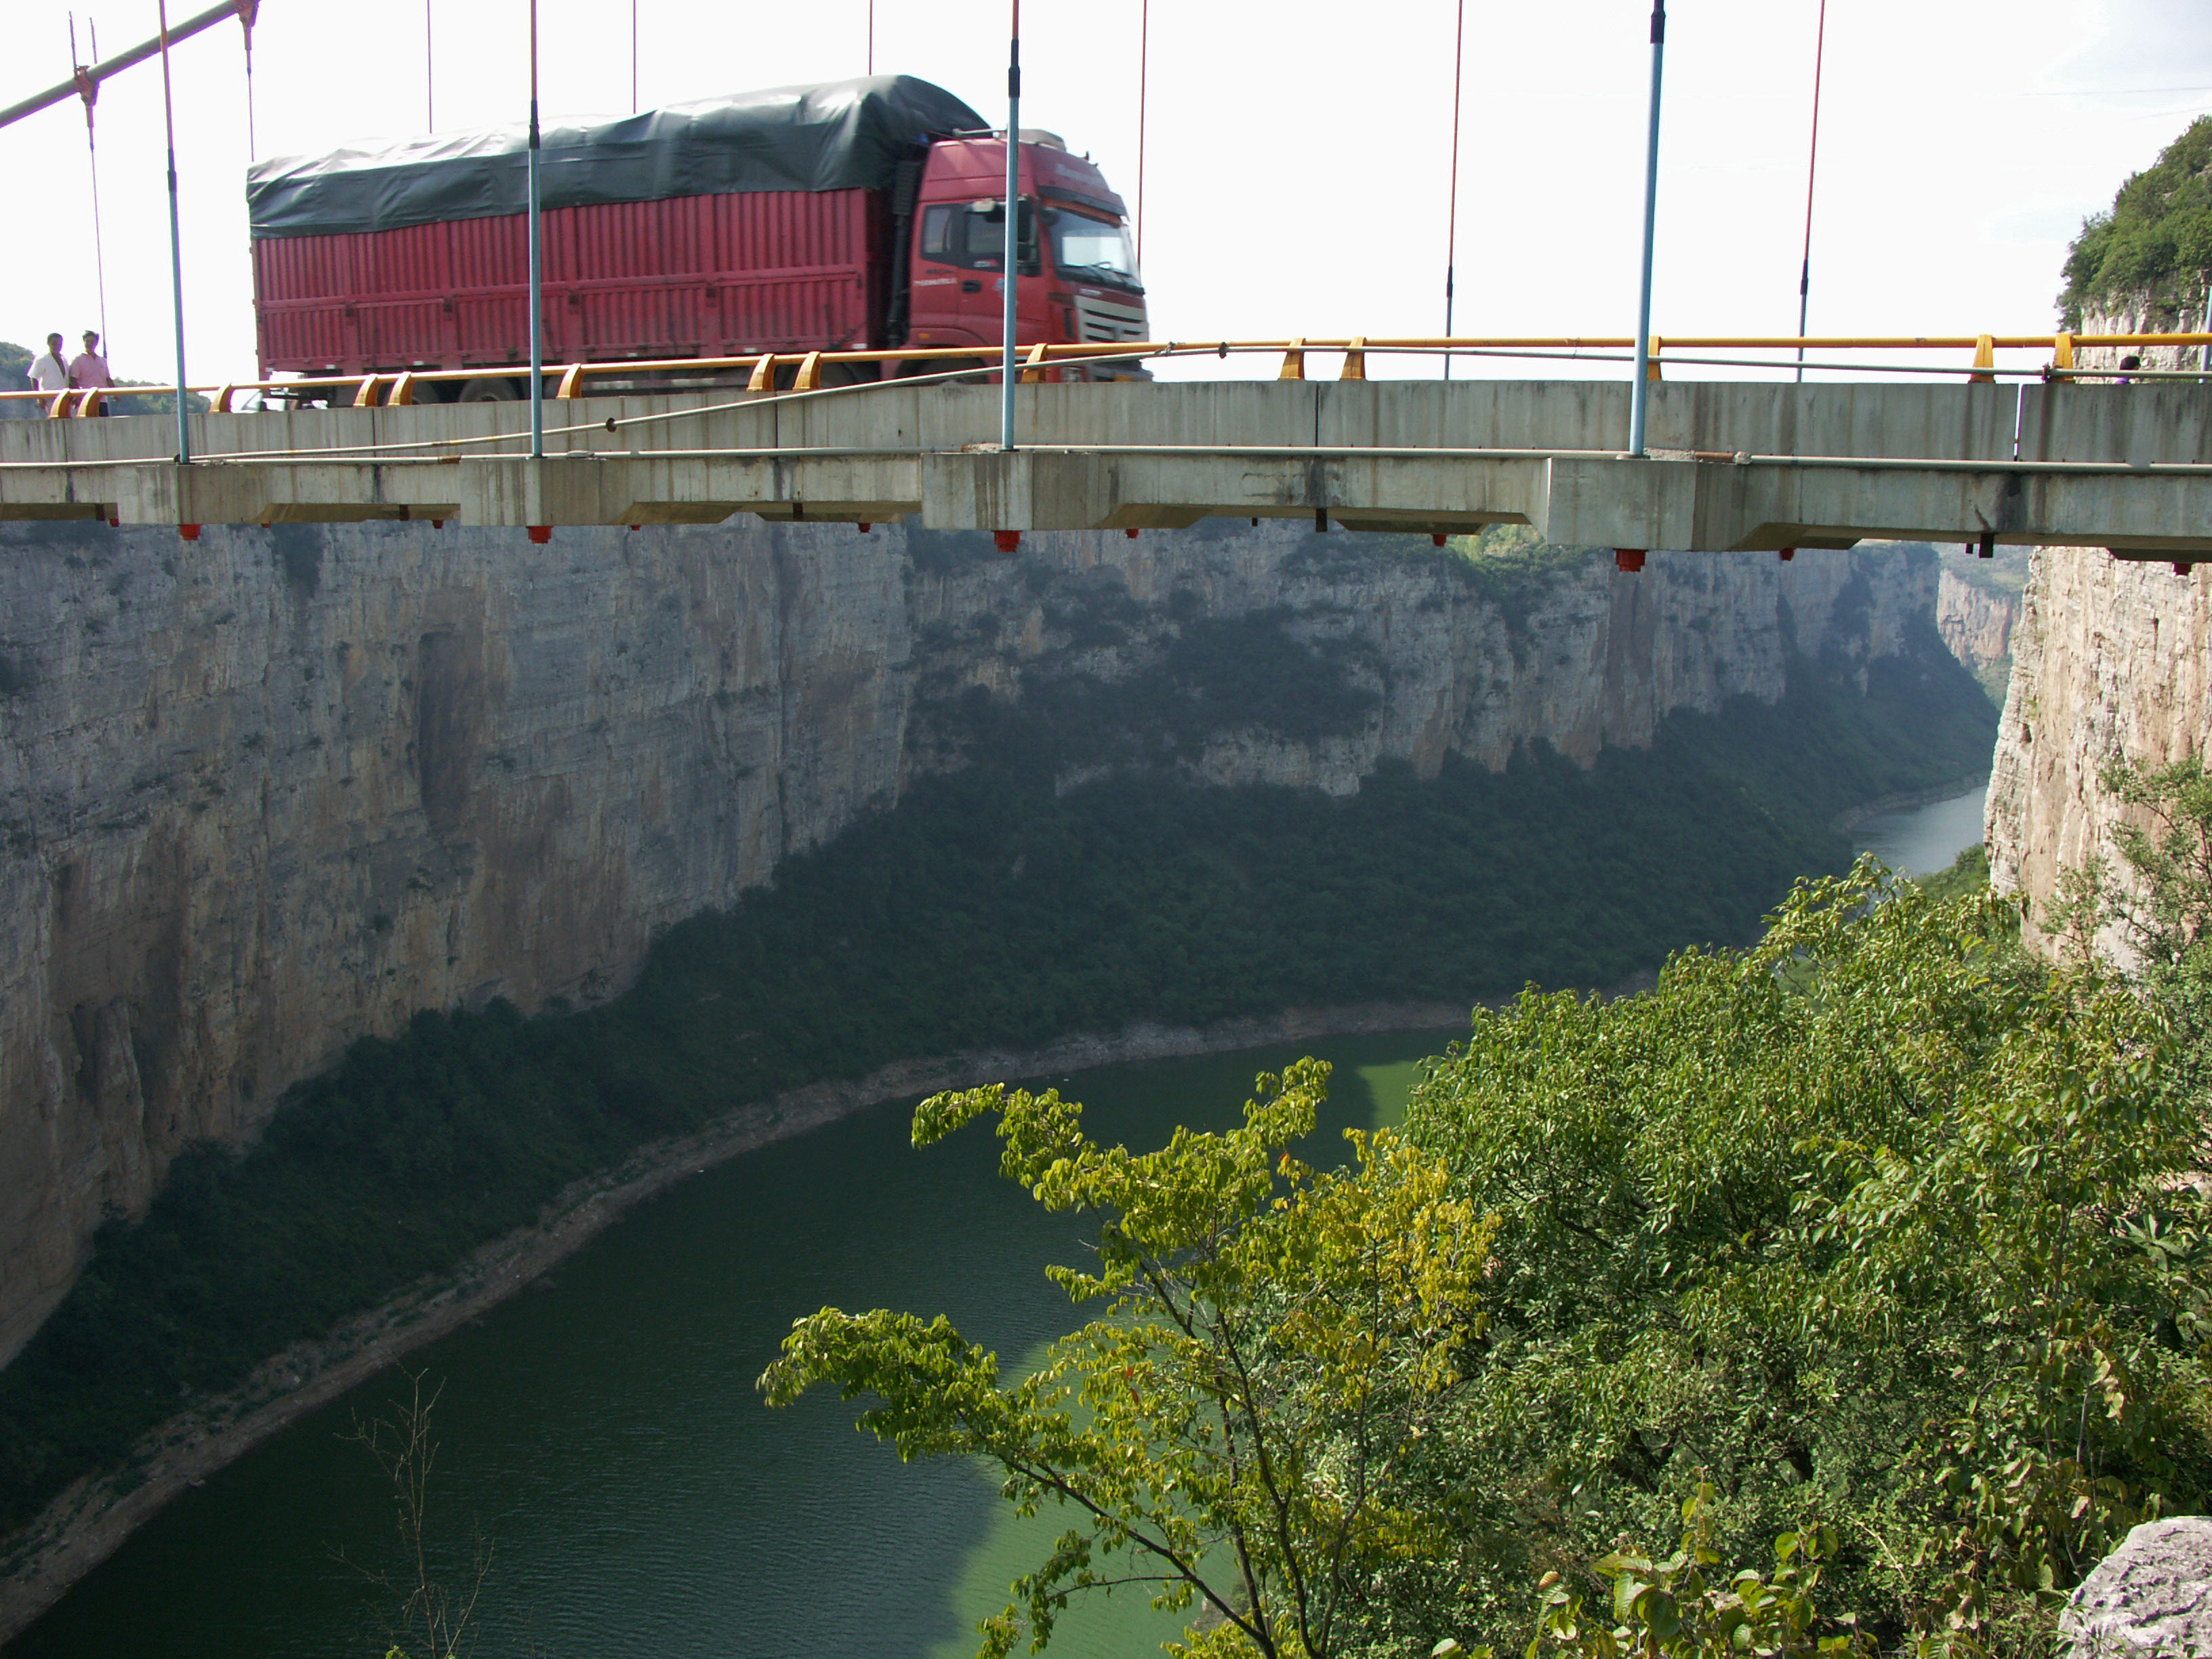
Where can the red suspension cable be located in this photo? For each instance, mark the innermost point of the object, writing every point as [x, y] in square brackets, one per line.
[1812, 163]
[1451, 210]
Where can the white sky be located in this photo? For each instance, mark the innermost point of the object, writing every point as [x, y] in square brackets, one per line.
[1296, 153]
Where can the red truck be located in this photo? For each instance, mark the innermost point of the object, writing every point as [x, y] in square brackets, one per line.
[861, 215]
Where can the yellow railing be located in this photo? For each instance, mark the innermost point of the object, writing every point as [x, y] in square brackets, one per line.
[808, 369]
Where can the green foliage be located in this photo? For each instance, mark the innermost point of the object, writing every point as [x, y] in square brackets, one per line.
[1221, 675]
[2155, 240]
[1841, 1224]
[1268, 1343]
[1968, 876]
[2166, 910]
[1679, 1608]
[1516, 569]
[1870, 1239]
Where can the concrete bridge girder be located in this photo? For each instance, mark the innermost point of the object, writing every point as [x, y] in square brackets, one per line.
[1379, 455]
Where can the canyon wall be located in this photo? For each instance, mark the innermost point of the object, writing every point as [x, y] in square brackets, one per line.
[2111, 657]
[276, 790]
[1977, 605]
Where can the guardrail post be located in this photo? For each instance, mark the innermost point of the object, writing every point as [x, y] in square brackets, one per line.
[763, 374]
[1985, 356]
[1355, 361]
[1294, 362]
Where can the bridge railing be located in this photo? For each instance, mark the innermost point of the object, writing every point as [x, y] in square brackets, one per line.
[769, 373]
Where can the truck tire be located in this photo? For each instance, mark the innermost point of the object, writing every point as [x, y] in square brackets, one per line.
[492, 389]
[914, 369]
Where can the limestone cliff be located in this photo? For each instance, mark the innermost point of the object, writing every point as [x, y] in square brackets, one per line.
[2110, 657]
[1976, 604]
[266, 794]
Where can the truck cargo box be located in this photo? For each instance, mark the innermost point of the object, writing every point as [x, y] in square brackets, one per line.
[760, 222]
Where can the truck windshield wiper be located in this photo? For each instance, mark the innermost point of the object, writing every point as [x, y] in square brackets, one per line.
[1104, 273]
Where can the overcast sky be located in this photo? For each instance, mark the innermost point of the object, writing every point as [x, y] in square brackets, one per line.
[1296, 153]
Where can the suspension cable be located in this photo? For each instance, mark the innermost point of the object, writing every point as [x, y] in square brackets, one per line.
[1812, 161]
[88, 90]
[1451, 210]
[248, 11]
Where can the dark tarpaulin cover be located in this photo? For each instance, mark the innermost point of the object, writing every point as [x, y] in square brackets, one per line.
[842, 136]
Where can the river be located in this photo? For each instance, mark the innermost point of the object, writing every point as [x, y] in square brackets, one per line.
[602, 1433]
[1921, 840]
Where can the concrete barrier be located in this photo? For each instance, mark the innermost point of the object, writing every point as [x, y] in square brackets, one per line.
[1734, 467]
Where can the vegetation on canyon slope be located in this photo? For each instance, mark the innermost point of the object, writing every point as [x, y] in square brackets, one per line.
[1864, 1261]
[989, 908]
[2153, 245]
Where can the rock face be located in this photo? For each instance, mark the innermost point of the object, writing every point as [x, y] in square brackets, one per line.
[1975, 622]
[2149, 1599]
[2138, 315]
[269, 792]
[2110, 657]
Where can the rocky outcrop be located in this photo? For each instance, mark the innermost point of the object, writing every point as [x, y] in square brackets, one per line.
[1976, 604]
[2139, 315]
[266, 794]
[1975, 622]
[2111, 657]
[2149, 1599]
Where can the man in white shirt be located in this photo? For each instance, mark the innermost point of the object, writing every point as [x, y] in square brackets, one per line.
[48, 372]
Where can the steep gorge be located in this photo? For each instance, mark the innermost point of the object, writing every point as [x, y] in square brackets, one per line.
[2112, 659]
[279, 790]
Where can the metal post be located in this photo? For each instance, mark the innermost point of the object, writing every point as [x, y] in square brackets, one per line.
[537, 268]
[1013, 222]
[2204, 326]
[1812, 163]
[429, 73]
[176, 235]
[1641, 393]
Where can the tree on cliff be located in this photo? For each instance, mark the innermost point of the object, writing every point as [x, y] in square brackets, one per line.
[1271, 1343]
[1866, 1238]
[2154, 241]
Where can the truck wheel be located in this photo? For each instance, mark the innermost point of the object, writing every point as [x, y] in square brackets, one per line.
[490, 391]
[948, 367]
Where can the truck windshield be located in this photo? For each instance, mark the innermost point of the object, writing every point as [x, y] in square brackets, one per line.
[1086, 247]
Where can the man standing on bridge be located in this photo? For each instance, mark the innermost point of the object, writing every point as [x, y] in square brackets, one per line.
[90, 368]
[47, 373]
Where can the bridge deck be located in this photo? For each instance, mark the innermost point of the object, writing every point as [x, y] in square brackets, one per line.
[1734, 466]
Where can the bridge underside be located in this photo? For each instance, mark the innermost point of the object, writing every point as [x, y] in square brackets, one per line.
[1735, 467]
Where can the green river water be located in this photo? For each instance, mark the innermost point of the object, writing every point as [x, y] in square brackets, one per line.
[602, 1431]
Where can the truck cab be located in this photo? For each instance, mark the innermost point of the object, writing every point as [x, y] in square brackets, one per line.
[1079, 281]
